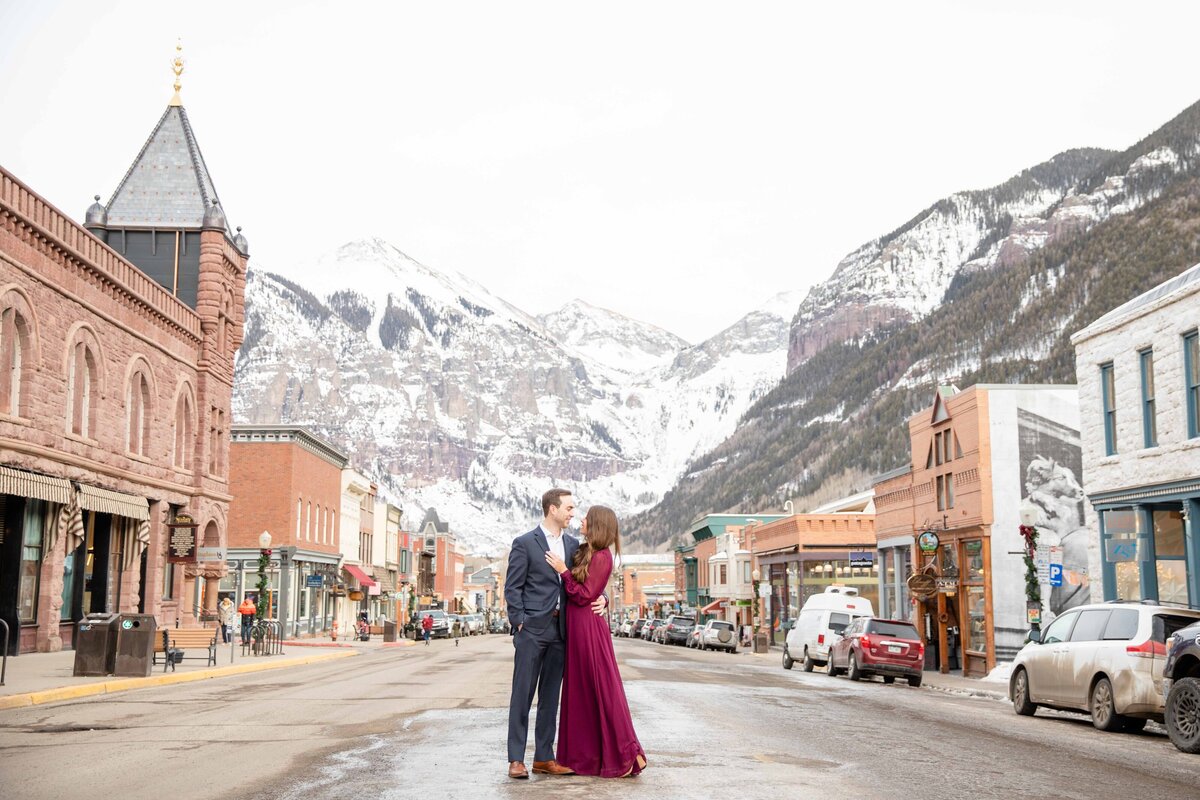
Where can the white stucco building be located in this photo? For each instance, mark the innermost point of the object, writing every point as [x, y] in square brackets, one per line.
[1139, 388]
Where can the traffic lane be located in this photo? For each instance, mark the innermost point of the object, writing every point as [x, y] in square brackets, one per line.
[711, 723]
[258, 724]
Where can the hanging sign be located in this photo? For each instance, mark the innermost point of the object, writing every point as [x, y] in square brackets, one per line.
[181, 544]
[313, 581]
[928, 542]
[922, 586]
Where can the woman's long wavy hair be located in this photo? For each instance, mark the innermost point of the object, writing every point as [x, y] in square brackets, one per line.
[602, 533]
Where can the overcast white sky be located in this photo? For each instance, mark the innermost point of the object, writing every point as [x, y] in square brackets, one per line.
[676, 162]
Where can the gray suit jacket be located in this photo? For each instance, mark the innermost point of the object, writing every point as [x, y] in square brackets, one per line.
[532, 590]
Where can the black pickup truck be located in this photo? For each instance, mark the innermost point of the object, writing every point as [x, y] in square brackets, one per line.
[1181, 685]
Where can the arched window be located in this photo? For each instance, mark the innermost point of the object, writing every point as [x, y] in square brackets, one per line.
[312, 522]
[320, 525]
[137, 404]
[299, 512]
[82, 386]
[185, 429]
[15, 359]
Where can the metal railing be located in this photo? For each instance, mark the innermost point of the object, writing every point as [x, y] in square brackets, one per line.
[266, 639]
[4, 664]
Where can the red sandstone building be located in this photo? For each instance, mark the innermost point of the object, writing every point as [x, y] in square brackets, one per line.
[117, 340]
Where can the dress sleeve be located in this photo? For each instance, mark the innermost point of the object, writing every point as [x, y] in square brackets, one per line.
[584, 594]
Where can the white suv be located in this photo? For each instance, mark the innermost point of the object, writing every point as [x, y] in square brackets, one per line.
[1105, 659]
[717, 634]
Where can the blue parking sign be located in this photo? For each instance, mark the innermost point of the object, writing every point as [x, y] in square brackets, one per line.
[1056, 574]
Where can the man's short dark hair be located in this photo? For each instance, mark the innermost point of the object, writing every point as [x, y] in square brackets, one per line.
[553, 499]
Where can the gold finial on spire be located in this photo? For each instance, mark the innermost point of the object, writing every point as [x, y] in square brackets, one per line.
[177, 68]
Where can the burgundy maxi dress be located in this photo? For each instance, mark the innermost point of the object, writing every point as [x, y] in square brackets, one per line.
[595, 731]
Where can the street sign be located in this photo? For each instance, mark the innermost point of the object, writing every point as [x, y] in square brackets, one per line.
[181, 546]
[1041, 560]
[1056, 575]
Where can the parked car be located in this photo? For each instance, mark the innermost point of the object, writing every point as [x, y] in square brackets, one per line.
[639, 625]
[498, 625]
[625, 628]
[441, 624]
[1181, 688]
[717, 634]
[868, 646]
[1105, 659]
[652, 627]
[820, 624]
[677, 629]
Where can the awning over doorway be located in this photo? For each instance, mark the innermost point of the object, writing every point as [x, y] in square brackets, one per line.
[38, 487]
[714, 606]
[363, 578]
[106, 501]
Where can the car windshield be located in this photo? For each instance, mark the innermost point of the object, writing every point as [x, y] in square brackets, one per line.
[682, 621]
[838, 622]
[437, 615]
[722, 626]
[897, 630]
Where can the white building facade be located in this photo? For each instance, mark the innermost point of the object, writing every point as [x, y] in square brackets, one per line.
[1139, 388]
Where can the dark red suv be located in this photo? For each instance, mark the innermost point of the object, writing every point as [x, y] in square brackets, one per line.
[887, 647]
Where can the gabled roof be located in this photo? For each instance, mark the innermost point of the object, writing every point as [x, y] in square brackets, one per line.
[1184, 281]
[431, 516]
[167, 185]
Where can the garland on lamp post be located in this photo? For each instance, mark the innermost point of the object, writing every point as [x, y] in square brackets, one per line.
[1033, 589]
[264, 560]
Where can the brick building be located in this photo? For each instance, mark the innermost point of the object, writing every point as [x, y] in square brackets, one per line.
[439, 564]
[117, 339]
[287, 482]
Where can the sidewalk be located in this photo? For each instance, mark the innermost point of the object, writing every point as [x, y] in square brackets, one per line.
[36, 678]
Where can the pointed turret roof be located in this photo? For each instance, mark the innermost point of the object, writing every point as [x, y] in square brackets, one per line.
[168, 185]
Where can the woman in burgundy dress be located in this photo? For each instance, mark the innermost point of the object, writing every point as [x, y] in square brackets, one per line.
[595, 731]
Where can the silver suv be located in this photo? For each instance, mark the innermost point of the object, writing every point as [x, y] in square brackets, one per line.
[1105, 659]
[717, 635]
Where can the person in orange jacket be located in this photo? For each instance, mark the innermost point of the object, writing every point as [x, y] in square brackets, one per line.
[247, 609]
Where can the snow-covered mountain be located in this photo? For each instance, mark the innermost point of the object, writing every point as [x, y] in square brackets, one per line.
[453, 398]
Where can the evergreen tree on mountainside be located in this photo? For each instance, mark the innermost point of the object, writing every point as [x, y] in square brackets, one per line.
[1005, 325]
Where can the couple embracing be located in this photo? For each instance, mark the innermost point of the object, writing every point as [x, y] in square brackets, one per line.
[554, 589]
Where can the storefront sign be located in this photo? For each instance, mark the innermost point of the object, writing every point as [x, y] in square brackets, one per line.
[181, 544]
[210, 553]
[928, 542]
[947, 585]
[1120, 550]
[314, 581]
[922, 586]
[355, 595]
[866, 558]
[974, 547]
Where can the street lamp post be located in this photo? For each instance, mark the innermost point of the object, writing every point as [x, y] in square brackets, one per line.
[264, 560]
[756, 615]
[1033, 588]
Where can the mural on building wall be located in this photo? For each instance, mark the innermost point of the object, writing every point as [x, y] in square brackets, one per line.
[1051, 469]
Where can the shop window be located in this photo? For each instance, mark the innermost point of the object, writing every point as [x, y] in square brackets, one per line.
[15, 362]
[1191, 370]
[31, 560]
[1108, 397]
[1123, 549]
[1170, 556]
[1149, 415]
[68, 589]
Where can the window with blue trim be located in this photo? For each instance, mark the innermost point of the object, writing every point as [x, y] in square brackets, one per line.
[1191, 374]
[1108, 392]
[1149, 414]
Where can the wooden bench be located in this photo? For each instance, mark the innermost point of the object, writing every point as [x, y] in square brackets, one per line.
[176, 641]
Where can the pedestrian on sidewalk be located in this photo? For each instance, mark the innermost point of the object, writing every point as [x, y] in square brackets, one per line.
[427, 627]
[225, 617]
[247, 610]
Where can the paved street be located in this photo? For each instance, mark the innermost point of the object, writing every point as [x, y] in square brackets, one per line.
[429, 723]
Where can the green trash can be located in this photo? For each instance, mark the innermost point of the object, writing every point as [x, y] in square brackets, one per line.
[95, 645]
[135, 645]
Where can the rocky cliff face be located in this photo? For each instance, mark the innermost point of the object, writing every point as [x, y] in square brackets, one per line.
[452, 398]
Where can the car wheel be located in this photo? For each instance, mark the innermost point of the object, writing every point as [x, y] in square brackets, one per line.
[889, 679]
[829, 668]
[788, 661]
[915, 681]
[852, 670]
[1183, 715]
[1020, 695]
[1103, 708]
[808, 662]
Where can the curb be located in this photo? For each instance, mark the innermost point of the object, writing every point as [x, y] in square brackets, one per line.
[129, 684]
[302, 643]
[986, 694]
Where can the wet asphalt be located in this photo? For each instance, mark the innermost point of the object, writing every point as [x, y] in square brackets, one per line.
[430, 723]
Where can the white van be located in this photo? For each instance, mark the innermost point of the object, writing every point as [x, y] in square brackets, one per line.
[821, 623]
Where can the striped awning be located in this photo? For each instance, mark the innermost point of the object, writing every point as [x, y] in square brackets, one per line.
[106, 501]
[31, 484]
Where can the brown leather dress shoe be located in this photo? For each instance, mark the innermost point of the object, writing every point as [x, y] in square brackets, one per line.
[551, 767]
[516, 769]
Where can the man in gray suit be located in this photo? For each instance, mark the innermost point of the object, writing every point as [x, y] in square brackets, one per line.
[537, 618]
